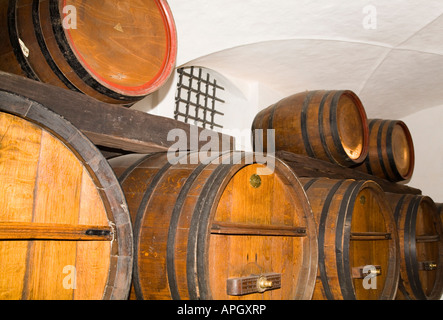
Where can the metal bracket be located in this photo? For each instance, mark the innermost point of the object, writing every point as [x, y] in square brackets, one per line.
[427, 265]
[253, 284]
[358, 272]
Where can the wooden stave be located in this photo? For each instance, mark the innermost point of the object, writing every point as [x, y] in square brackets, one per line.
[121, 260]
[197, 275]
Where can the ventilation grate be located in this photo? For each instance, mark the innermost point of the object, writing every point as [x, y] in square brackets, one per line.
[196, 98]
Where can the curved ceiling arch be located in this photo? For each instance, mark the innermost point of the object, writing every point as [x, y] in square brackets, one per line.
[295, 45]
[392, 82]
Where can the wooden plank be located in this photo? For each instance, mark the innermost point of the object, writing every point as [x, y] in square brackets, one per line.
[310, 167]
[46, 277]
[57, 200]
[92, 267]
[428, 238]
[19, 154]
[227, 228]
[109, 125]
[53, 231]
[370, 236]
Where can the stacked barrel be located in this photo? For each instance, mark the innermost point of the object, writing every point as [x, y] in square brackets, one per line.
[225, 228]
[114, 51]
[65, 227]
[74, 225]
[359, 223]
[65, 230]
[231, 225]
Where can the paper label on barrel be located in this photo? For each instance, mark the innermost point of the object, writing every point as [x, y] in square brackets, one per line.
[24, 48]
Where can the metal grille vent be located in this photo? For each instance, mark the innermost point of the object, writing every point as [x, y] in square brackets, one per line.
[196, 98]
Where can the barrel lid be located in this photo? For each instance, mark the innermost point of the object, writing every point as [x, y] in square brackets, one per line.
[128, 48]
[93, 179]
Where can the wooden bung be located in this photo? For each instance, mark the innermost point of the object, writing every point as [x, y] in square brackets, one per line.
[356, 233]
[328, 125]
[114, 51]
[65, 230]
[421, 247]
[218, 229]
[391, 151]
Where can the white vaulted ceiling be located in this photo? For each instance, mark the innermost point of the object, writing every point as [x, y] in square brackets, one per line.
[296, 45]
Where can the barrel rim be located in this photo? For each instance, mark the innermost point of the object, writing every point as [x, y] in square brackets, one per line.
[198, 238]
[410, 251]
[343, 233]
[335, 133]
[408, 135]
[121, 257]
[393, 276]
[93, 79]
[208, 211]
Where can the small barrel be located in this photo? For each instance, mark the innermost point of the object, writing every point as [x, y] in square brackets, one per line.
[115, 51]
[357, 240]
[391, 150]
[328, 125]
[224, 228]
[65, 230]
[421, 247]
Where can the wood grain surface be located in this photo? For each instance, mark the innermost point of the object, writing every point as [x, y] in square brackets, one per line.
[180, 212]
[64, 230]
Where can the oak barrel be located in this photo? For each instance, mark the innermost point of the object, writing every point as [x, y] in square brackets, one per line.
[440, 210]
[357, 240]
[116, 51]
[421, 247]
[328, 125]
[220, 229]
[391, 150]
[65, 230]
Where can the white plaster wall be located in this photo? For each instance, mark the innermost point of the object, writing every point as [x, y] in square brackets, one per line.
[243, 100]
[426, 128]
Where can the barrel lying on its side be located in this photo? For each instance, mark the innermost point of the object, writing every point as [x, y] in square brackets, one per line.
[357, 240]
[65, 230]
[227, 229]
[328, 125]
[115, 51]
[421, 244]
[440, 210]
[391, 150]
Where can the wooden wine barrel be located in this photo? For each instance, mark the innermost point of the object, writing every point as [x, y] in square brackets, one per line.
[357, 240]
[328, 125]
[115, 51]
[421, 247]
[65, 230]
[440, 210]
[218, 229]
[391, 150]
